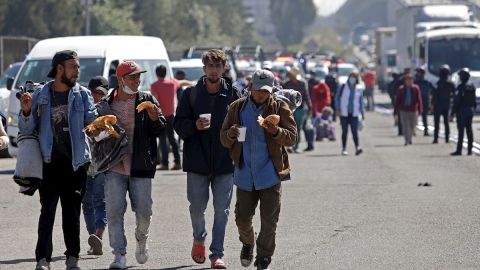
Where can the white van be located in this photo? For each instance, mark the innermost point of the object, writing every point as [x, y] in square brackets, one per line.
[99, 55]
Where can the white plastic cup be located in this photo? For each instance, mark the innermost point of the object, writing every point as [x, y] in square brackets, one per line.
[243, 133]
[206, 116]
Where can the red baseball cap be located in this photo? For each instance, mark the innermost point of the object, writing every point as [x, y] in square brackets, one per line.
[129, 68]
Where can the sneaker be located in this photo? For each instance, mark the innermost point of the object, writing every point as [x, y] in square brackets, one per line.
[141, 253]
[163, 168]
[72, 263]
[96, 243]
[217, 263]
[435, 141]
[43, 265]
[262, 263]
[308, 149]
[246, 256]
[344, 152]
[120, 262]
[359, 151]
[176, 167]
[456, 153]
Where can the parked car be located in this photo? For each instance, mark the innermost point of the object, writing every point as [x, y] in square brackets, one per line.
[7, 75]
[193, 68]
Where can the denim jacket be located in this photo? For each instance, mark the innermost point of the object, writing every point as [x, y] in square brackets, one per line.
[81, 112]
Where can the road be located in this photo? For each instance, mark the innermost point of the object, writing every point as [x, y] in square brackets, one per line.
[338, 212]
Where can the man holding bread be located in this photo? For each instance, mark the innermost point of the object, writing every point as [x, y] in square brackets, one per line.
[261, 163]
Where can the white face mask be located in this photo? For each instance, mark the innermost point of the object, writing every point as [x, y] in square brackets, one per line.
[127, 89]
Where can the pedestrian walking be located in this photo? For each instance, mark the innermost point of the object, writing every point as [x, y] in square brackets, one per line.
[370, 79]
[349, 101]
[198, 121]
[464, 106]
[165, 91]
[441, 102]
[426, 89]
[408, 102]
[134, 171]
[58, 112]
[261, 163]
[93, 203]
[296, 82]
[332, 82]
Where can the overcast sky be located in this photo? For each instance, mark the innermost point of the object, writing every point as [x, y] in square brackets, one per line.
[326, 7]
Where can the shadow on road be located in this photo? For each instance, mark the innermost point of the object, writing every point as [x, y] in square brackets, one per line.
[388, 145]
[11, 171]
[30, 260]
[169, 268]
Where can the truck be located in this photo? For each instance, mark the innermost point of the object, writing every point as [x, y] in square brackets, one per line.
[385, 54]
[414, 19]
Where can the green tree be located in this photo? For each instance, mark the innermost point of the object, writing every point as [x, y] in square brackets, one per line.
[110, 17]
[291, 19]
[42, 19]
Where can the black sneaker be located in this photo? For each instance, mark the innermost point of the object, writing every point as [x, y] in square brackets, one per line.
[246, 256]
[262, 263]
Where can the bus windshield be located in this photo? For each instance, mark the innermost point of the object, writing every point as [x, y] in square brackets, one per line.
[456, 52]
[37, 70]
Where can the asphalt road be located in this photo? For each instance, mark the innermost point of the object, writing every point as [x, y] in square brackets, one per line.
[338, 212]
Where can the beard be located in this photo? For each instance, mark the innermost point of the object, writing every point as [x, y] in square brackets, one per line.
[68, 82]
[213, 81]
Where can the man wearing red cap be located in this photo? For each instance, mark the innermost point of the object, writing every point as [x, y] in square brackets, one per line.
[134, 172]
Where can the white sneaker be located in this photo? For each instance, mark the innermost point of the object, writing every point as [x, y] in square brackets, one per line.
[344, 153]
[72, 263]
[43, 265]
[141, 253]
[120, 262]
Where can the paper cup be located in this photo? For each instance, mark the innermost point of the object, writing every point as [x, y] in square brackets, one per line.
[243, 133]
[207, 116]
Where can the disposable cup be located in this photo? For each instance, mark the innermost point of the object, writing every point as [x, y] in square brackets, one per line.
[243, 133]
[206, 116]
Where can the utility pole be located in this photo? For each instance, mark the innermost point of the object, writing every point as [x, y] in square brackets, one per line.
[87, 17]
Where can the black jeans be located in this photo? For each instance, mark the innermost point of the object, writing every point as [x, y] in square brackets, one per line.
[464, 121]
[426, 109]
[436, 119]
[169, 133]
[353, 122]
[60, 182]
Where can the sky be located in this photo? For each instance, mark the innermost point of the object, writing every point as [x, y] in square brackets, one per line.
[327, 7]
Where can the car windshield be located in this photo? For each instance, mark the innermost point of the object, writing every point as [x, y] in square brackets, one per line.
[191, 73]
[150, 76]
[345, 71]
[10, 72]
[37, 70]
[462, 53]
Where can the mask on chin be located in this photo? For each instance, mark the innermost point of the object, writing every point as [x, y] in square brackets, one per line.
[127, 89]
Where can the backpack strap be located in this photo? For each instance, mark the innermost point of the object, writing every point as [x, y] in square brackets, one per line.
[192, 96]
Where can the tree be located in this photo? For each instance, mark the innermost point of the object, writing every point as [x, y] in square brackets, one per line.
[114, 18]
[42, 19]
[291, 19]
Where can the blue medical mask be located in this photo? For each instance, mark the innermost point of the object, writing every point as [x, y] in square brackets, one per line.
[352, 80]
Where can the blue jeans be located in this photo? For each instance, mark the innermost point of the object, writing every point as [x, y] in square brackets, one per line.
[299, 117]
[140, 193]
[93, 204]
[198, 193]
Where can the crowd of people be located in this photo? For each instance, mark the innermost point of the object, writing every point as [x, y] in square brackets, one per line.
[413, 96]
[234, 134]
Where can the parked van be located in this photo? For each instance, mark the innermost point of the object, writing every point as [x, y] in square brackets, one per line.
[99, 55]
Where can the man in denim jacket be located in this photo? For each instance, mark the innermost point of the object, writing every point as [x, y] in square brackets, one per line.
[59, 112]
